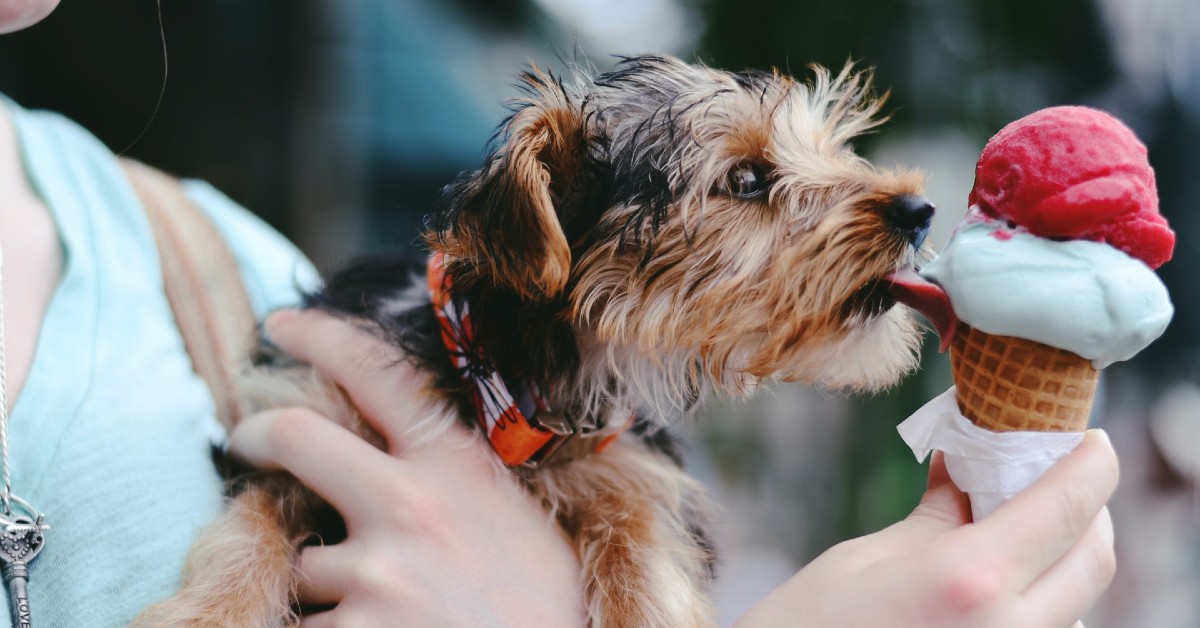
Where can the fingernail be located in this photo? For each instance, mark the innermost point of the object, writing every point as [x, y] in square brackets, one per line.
[277, 319]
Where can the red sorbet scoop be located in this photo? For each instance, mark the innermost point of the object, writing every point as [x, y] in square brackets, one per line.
[1074, 173]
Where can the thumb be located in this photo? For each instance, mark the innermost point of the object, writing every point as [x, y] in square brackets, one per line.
[943, 506]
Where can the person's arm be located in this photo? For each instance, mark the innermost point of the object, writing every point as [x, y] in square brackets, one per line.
[424, 525]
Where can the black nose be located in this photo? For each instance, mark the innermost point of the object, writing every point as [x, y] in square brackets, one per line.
[910, 215]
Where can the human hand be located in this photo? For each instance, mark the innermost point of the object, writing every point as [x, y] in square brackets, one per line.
[438, 533]
[1039, 561]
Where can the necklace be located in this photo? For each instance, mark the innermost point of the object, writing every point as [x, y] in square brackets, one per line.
[22, 527]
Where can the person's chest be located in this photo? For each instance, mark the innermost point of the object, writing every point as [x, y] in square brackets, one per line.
[32, 259]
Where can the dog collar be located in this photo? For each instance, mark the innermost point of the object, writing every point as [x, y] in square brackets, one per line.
[522, 438]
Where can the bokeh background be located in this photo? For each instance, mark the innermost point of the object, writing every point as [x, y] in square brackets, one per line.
[338, 121]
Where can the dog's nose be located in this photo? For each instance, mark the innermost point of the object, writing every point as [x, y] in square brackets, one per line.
[910, 214]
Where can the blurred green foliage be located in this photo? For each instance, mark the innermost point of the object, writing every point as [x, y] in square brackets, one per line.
[974, 64]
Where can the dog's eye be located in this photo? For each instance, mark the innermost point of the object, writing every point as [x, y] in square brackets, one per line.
[747, 181]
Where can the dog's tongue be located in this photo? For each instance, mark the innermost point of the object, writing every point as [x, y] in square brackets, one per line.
[926, 297]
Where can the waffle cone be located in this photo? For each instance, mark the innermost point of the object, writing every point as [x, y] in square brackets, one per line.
[1007, 384]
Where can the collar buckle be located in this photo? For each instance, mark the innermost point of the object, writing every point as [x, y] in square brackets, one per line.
[561, 427]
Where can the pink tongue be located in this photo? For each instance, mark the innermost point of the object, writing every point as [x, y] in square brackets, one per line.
[926, 297]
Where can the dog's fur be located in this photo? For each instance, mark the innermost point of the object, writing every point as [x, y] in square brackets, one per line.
[615, 249]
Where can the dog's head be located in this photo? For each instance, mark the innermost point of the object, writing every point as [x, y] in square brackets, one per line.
[719, 222]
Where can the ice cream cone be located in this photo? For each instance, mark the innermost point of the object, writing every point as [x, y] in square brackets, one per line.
[1007, 384]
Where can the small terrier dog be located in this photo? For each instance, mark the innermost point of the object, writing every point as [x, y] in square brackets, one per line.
[634, 241]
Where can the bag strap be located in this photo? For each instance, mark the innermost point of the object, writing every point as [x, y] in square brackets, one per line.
[202, 283]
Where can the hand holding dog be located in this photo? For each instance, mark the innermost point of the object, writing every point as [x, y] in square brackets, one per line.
[1041, 560]
[438, 533]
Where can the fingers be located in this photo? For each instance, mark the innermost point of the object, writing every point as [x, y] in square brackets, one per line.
[326, 619]
[943, 506]
[1069, 588]
[323, 580]
[938, 474]
[1038, 526]
[326, 457]
[367, 368]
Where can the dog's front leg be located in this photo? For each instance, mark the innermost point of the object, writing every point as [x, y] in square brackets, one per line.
[637, 522]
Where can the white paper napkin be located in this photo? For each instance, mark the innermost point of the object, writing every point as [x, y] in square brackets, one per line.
[989, 466]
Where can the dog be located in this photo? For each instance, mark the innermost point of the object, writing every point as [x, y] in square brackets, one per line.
[635, 241]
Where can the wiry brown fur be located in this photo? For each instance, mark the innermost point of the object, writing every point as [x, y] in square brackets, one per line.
[608, 255]
[629, 514]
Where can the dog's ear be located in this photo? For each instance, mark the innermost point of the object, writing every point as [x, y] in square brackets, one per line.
[503, 222]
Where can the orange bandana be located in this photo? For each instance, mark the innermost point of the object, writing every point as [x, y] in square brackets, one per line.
[518, 440]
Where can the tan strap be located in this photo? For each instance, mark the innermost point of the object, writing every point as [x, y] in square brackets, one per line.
[202, 283]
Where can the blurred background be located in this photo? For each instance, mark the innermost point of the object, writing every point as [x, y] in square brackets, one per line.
[338, 121]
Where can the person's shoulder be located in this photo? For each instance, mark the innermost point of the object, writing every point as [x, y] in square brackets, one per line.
[51, 137]
[55, 122]
[69, 160]
[59, 153]
[275, 272]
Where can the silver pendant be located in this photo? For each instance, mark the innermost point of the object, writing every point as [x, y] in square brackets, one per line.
[22, 537]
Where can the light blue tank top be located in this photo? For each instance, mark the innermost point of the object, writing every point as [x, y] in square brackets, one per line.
[112, 434]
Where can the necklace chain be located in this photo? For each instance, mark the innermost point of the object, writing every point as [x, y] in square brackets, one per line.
[6, 496]
[26, 517]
